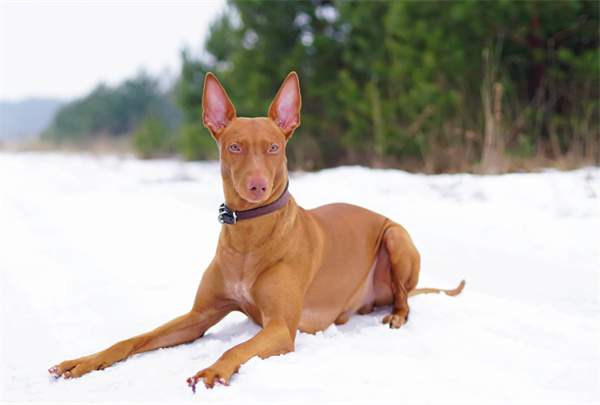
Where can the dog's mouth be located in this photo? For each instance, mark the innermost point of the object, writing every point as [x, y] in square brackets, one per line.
[254, 200]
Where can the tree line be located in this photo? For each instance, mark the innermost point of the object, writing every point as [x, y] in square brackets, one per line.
[434, 86]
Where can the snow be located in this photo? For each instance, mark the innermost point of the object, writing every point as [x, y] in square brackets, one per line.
[98, 249]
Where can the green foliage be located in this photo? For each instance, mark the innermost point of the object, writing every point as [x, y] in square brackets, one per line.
[194, 141]
[152, 137]
[402, 81]
[113, 111]
[421, 84]
[252, 50]
[195, 144]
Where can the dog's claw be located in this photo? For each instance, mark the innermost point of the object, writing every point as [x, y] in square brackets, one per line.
[210, 377]
[54, 372]
[192, 383]
[394, 321]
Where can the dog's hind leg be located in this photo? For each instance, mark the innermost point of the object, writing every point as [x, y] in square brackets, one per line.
[404, 270]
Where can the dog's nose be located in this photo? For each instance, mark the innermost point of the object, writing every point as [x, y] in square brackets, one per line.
[257, 188]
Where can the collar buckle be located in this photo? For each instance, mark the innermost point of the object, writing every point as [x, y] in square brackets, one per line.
[226, 215]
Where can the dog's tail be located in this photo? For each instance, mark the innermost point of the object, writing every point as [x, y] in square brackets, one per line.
[451, 293]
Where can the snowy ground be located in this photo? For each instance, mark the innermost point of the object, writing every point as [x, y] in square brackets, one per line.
[94, 250]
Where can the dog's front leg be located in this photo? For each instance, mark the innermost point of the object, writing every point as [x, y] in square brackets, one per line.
[279, 299]
[273, 339]
[183, 329]
[208, 309]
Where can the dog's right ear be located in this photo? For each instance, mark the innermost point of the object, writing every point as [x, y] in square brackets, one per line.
[217, 109]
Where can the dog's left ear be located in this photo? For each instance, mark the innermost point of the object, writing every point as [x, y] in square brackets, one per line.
[285, 108]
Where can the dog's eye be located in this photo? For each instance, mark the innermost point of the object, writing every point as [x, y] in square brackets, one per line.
[235, 148]
[274, 148]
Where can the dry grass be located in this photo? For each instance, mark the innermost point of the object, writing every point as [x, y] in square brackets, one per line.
[99, 145]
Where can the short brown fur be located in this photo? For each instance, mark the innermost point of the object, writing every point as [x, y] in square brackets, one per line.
[290, 270]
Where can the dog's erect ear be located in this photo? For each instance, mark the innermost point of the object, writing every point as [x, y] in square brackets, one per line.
[217, 109]
[285, 108]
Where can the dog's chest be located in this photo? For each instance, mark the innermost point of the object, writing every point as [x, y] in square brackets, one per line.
[239, 275]
[239, 290]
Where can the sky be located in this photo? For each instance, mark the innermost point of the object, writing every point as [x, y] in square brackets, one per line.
[63, 49]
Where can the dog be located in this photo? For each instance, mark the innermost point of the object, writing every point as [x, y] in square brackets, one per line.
[285, 267]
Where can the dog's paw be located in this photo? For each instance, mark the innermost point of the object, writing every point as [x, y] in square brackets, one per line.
[394, 320]
[214, 374]
[75, 368]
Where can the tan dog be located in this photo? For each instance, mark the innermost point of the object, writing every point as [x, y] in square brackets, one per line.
[288, 269]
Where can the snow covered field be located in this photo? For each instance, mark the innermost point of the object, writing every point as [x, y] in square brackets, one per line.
[94, 250]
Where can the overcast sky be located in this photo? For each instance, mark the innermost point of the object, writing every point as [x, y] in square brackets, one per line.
[62, 49]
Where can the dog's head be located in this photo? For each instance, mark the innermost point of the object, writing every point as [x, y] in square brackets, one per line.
[252, 150]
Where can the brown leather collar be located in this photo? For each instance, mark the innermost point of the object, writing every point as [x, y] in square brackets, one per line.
[230, 217]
